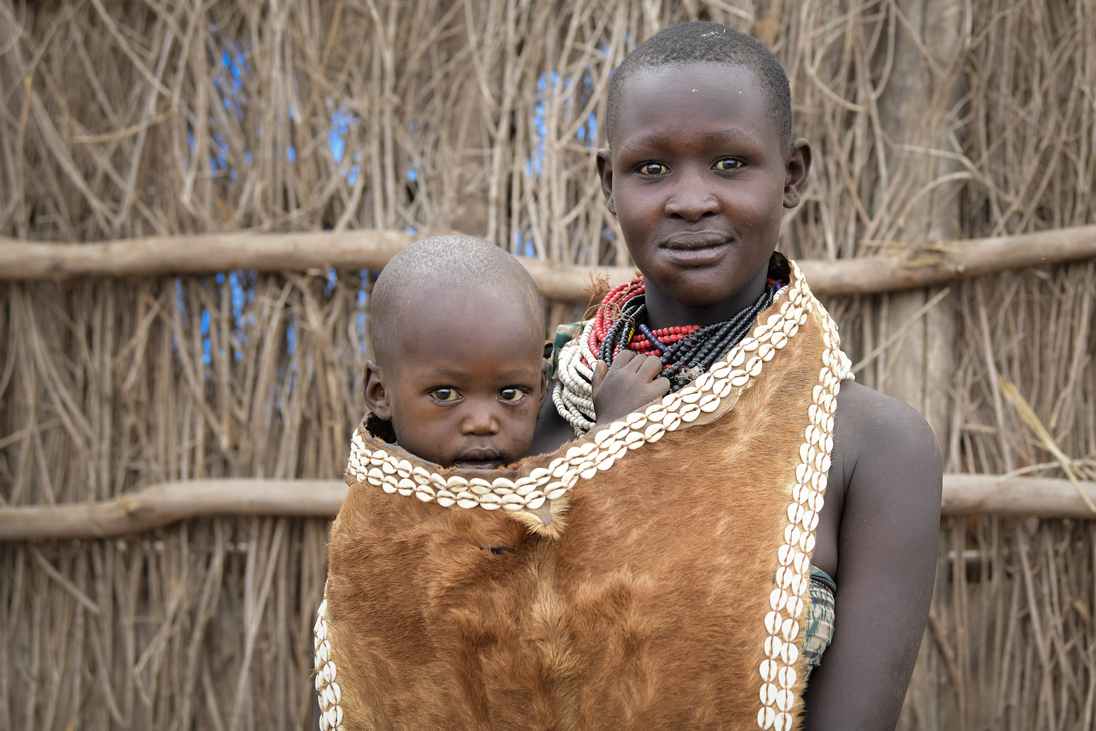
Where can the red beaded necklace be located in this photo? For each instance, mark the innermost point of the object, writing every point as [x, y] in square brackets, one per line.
[640, 342]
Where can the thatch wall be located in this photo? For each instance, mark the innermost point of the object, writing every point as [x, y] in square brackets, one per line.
[932, 120]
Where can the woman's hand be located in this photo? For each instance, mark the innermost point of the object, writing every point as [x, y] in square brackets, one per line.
[631, 382]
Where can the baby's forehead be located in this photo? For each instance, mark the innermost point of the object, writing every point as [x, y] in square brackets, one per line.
[464, 304]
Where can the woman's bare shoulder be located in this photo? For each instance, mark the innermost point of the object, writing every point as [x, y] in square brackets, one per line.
[884, 437]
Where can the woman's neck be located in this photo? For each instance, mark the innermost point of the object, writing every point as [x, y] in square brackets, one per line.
[663, 311]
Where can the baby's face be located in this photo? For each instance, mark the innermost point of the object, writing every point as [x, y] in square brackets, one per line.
[468, 379]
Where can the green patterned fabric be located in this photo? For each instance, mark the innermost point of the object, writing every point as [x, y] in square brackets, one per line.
[819, 627]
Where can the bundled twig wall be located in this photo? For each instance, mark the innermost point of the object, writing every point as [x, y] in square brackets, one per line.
[932, 121]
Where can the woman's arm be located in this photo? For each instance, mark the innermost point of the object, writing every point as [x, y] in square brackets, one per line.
[890, 519]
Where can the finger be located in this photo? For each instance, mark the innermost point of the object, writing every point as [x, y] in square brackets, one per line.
[650, 367]
[662, 385]
[600, 369]
[623, 358]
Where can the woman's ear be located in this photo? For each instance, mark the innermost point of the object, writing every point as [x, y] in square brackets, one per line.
[375, 389]
[605, 173]
[797, 166]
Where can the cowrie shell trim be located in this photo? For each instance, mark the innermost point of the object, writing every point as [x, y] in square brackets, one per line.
[328, 692]
[790, 587]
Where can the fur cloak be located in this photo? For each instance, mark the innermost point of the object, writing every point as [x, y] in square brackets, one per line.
[651, 575]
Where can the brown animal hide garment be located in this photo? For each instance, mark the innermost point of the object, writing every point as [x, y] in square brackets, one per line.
[651, 575]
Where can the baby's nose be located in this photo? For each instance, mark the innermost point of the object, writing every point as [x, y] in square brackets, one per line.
[480, 419]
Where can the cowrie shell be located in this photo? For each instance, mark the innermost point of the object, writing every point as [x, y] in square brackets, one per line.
[555, 491]
[654, 432]
[778, 598]
[785, 554]
[656, 413]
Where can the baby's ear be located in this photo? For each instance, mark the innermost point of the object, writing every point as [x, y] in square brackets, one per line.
[374, 388]
[544, 376]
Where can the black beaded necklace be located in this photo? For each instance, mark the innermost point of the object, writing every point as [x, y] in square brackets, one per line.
[685, 360]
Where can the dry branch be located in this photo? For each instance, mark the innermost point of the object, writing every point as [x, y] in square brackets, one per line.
[372, 249]
[160, 505]
[166, 503]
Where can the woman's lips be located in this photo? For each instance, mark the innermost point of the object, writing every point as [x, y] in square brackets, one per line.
[696, 249]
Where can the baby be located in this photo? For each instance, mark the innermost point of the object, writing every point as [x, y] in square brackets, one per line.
[459, 372]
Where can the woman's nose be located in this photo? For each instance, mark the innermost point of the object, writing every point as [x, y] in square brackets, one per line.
[691, 198]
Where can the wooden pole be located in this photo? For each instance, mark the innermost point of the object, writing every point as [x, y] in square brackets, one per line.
[917, 267]
[166, 503]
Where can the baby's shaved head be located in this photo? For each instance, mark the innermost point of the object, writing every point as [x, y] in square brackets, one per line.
[454, 262]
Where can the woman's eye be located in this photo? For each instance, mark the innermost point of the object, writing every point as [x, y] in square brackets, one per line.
[445, 394]
[727, 163]
[653, 168]
[511, 394]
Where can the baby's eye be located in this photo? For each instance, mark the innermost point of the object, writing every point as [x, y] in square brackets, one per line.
[727, 163]
[445, 394]
[652, 168]
[511, 394]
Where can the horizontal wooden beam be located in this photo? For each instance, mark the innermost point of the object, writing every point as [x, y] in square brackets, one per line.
[163, 504]
[1042, 497]
[169, 502]
[917, 267]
